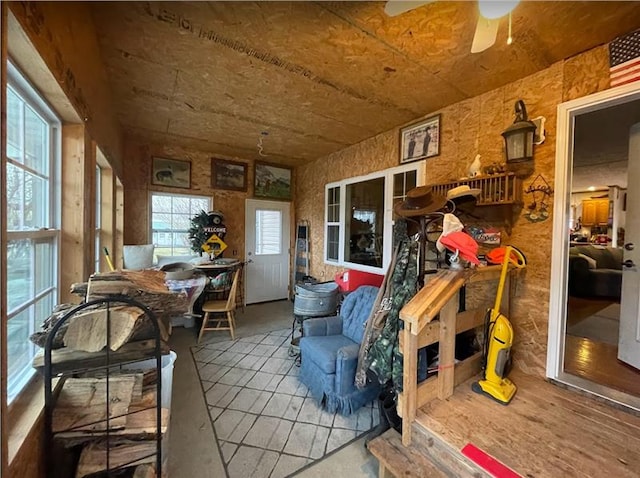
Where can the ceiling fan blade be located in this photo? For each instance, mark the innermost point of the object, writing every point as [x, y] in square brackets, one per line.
[486, 33]
[396, 7]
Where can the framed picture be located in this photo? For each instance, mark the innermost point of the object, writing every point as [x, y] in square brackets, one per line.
[272, 181]
[420, 140]
[228, 175]
[173, 173]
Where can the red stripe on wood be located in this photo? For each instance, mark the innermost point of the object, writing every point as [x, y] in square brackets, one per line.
[488, 463]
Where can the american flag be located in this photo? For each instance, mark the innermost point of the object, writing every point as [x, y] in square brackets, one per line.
[624, 59]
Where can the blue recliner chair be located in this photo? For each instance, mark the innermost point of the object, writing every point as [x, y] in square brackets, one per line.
[329, 352]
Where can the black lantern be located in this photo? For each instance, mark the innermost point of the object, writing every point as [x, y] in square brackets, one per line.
[518, 138]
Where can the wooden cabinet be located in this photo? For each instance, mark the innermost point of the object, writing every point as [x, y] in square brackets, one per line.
[595, 211]
[504, 188]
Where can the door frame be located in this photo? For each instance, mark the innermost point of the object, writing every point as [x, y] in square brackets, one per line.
[287, 245]
[560, 245]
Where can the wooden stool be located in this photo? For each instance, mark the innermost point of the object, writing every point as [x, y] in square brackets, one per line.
[225, 307]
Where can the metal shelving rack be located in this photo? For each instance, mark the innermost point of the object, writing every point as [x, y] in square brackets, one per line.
[109, 364]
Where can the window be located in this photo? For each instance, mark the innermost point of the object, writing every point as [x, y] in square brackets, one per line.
[98, 219]
[170, 221]
[333, 224]
[358, 217]
[33, 217]
[268, 232]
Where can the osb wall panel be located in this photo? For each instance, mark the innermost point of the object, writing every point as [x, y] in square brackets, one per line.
[138, 189]
[473, 127]
[374, 154]
[586, 74]
[65, 38]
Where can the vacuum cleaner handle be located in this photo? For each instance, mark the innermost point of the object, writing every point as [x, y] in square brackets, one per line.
[521, 260]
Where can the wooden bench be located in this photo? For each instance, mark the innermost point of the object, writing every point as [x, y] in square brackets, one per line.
[397, 460]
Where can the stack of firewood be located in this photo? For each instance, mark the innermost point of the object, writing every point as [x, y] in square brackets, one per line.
[87, 330]
[80, 420]
[80, 415]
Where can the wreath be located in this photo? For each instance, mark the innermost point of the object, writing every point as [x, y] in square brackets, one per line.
[197, 231]
[197, 234]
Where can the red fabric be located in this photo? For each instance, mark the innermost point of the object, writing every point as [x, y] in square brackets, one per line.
[462, 242]
[488, 463]
[496, 256]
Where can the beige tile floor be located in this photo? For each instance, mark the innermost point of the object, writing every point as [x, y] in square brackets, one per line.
[193, 451]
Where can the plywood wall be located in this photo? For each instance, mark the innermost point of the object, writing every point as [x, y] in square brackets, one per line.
[473, 127]
[65, 38]
[138, 188]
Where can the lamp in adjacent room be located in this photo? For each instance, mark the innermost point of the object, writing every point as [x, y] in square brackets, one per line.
[518, 138]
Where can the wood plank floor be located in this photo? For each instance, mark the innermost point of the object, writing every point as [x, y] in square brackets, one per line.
[546, 431]
[598, 362]
[579, 308]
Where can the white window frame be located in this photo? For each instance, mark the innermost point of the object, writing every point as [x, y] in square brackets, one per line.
[388, 222]
[171, 231]
[49, 233]
[98, 231]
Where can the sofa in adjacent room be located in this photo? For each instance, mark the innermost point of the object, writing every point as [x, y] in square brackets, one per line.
[595, 271]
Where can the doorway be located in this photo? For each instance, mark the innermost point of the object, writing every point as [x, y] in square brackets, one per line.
[267, 238]
[591, 187]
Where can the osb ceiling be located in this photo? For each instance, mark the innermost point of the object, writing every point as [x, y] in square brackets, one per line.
[319, 76]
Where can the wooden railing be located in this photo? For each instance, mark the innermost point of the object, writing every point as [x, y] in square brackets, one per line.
[439, 299]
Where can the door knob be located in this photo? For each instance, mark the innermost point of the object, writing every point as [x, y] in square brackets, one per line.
[629, 263]
[629, 246]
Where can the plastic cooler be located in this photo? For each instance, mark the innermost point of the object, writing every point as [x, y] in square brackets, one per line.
[350, 280]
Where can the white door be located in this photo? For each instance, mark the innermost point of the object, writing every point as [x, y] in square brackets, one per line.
[629, 341]
[267, 238]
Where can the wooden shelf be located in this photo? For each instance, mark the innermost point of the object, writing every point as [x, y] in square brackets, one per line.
[497, 189]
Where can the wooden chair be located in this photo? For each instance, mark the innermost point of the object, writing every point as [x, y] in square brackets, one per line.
[240, 292]
[225, 307]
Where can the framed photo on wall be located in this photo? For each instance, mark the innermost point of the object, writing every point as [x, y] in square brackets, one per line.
[230, 175]
[173, 173]
[272, 181]
[420, 140]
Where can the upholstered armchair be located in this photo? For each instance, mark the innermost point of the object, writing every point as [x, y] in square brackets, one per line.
[329, 353]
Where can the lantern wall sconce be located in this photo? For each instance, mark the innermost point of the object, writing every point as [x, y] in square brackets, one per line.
[518, 138]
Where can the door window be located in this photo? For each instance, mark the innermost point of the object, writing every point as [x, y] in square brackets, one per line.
[268, 232]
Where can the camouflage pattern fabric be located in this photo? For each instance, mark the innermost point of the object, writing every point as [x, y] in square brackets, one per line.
[375, 323]
[384, 355]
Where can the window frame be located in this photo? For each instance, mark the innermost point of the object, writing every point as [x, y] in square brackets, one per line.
[388, 222]
[49, 232]
[98, 219]
[171, 231]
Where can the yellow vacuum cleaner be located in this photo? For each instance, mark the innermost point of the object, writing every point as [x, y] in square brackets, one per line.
[498, 340]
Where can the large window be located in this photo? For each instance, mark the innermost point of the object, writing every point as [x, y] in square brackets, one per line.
[33, 218]
[170, 220]
[358, 217]
[98, 238]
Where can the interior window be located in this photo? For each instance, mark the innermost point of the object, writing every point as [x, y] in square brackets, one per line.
[333, 224]
[268, 232]
[360, 237]
[365, 225]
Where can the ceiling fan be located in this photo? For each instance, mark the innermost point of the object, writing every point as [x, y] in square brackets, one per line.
[487, 27]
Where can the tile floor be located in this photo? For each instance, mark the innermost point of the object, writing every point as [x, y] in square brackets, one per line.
[266, 423]
[193, 450]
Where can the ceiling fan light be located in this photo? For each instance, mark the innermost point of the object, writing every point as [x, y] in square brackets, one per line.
[496, 8]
